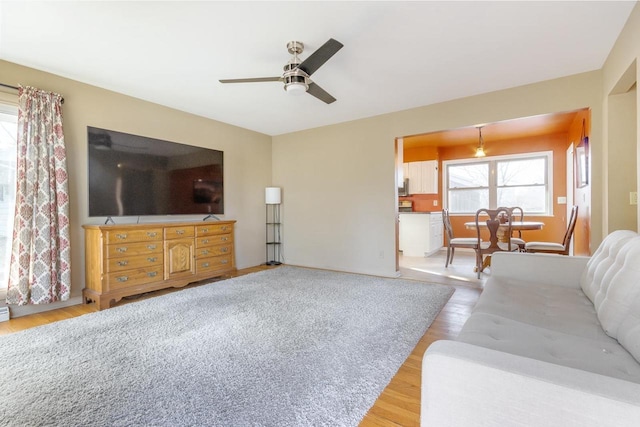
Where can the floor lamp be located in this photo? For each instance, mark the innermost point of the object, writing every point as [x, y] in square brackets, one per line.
[273, 199]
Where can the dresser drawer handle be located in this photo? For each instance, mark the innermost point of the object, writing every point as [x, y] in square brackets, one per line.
[152, 274]
[224, 261]
[205, 252]
[225, 249]
[122, 278]
[179, 231]
[121, 250]
[152, 233]
[205, 241]
[205, 264]
[121, 236]
[151, 247]
[123, 263]
[224, 239]
[152, 259]
[224, 228]
[204, 230]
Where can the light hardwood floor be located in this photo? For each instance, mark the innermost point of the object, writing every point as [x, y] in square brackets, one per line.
[399, 403]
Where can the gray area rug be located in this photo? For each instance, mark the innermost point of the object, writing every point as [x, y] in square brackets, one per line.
[282, 347]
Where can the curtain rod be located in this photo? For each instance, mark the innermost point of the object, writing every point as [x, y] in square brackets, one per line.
[16, 88]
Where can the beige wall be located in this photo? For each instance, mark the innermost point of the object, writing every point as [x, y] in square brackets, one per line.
[621, 164]
[247, 156]
[620, 72]
[338, 180]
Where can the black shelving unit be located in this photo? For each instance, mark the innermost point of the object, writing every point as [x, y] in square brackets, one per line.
[273, 235]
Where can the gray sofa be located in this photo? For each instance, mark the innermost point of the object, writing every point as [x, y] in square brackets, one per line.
[552, 341]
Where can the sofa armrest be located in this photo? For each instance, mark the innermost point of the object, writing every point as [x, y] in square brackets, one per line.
[468, 385]
[549, 269]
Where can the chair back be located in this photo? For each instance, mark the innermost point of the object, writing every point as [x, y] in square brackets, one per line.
[447, 224]
[517, 215]
[566, 241]
[493, 223]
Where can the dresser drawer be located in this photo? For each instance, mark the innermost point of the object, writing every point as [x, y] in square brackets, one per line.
[133, 249]
[178, 232]
[212, 229]
[210, 251]
[130, 236]
[219, 239]
[206, 265]
[125, 279]
[134, 262]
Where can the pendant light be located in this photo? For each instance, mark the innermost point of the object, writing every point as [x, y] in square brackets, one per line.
[480, 149]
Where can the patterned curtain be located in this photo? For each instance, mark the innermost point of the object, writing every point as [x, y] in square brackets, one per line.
[39, 271]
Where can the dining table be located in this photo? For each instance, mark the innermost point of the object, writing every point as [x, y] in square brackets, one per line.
[502, 230]
[502, 233]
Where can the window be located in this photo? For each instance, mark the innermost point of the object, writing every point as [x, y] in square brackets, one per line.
[523, 180]
[8, 154]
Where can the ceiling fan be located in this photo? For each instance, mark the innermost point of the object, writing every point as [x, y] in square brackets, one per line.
[296, 76]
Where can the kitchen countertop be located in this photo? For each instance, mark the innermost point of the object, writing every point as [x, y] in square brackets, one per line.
[420, 212]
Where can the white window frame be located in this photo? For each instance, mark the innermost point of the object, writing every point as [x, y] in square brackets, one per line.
[493, 185]
[9, 110]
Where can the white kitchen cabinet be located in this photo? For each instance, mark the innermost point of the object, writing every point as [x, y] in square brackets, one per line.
[436, 232]
[420, 233]
[423, 177]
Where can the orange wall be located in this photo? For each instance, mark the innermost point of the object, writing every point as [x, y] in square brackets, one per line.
[582, 196]
[555, 225]
[419, 154]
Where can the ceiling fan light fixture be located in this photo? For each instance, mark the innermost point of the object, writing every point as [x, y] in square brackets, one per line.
[295, 85]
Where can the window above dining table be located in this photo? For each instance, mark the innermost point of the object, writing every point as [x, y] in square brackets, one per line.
[524, 180]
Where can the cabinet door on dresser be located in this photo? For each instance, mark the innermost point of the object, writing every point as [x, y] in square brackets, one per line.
[179, 249]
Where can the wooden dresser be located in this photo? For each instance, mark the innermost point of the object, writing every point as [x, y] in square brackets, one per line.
[124, 260]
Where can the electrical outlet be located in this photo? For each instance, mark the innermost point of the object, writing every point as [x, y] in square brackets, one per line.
[562, 200]
[435, 203]
[633, 198]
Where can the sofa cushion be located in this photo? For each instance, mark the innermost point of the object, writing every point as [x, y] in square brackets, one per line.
[629, 331]
[556, 324]
[601, 261]
[563, 309]
[602, 355]
[619, 277]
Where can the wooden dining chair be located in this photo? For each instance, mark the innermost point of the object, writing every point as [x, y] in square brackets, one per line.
[517, 214]
[492, 223]
[455, 242]
[557, 248]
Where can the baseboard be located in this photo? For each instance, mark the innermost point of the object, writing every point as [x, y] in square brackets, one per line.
[25, 310]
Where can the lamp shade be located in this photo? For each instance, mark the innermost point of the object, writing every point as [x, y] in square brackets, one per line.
[272, 196]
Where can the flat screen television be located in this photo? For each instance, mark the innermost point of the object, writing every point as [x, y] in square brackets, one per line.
[135, 175]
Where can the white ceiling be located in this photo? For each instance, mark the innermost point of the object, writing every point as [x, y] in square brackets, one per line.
[396, 55]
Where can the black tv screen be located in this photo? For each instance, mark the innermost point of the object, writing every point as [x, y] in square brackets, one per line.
[136, 175]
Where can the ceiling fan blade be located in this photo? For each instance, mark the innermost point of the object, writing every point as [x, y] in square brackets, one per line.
[320, 56]
[320, 93]
[252, 80]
